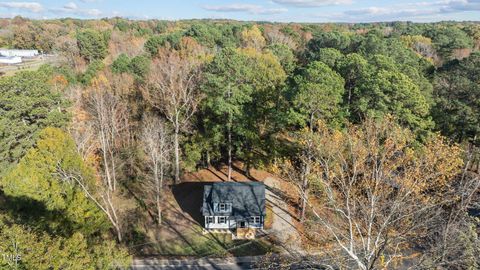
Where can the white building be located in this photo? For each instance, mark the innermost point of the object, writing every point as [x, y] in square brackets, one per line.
[10, 60]
[20, 53]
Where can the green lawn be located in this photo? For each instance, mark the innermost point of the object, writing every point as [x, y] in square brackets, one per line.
[192, 242]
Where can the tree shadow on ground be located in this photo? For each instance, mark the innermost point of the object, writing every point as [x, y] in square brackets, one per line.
[189, 196]
[35, 214]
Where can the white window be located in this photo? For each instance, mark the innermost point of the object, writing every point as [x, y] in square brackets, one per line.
[255, 220]
[210, 220]
[222, 220]
[224, 207]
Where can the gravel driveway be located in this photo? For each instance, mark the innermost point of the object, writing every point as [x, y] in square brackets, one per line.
[283, 228]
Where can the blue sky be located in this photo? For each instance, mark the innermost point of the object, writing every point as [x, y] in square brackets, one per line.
[261, 10]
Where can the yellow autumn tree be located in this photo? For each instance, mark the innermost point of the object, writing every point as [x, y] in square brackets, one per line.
[253, 38]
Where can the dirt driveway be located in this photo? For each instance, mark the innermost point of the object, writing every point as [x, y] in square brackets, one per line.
[283, 226]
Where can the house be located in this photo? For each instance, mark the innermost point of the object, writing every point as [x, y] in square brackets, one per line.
[234, 207]
[19, 53]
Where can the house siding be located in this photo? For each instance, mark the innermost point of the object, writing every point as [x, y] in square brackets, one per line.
[216, 225]
[231, 223]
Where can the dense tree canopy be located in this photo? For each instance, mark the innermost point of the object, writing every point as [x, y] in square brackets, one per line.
[360, 118]
[39, 177]
[319, 94]
[457, 96]
[392, 93]
[242, 89]
[27, 105]
[92, 44]
[38, 250]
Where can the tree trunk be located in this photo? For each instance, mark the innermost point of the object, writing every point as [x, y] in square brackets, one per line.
[119, 233]
[157, 191]
[177, 155]
[229, 153]
[304, 191]
[248, 166]
[229, 140]
[159, 206]
[114, 176]
[312, 116]
[105, 159]
[208, 159]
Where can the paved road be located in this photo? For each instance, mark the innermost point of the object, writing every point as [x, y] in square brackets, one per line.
[204, 263]
[240, 263]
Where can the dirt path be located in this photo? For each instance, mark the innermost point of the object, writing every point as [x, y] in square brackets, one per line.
[283, 226]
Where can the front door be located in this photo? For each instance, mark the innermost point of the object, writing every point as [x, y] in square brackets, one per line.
[241, 224]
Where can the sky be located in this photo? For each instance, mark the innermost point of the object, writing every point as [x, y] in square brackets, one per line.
[260, 10]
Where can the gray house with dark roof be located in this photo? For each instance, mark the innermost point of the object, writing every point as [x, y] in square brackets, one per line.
[234, 205]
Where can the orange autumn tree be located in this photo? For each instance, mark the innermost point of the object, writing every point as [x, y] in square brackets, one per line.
[380, 189]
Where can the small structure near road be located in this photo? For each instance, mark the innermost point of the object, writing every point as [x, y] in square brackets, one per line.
[10, 60]
[19, 53]
[236, 207]
[14, 56]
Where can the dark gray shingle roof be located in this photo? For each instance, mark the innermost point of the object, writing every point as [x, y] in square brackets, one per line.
[247, 199]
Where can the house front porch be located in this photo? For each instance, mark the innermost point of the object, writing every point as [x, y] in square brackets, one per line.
[237, 233]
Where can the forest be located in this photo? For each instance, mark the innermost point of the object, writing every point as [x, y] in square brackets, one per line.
[376, 127]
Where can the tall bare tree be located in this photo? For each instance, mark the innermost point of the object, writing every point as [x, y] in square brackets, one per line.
[100, 195]
[452, 240]
[156, 139]
[171, 87]
[380, 192]
[108, 115]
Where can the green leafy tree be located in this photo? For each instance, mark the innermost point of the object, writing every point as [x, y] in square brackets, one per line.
[457, 96]
[30, 249]
[40, 177]
[92, 44]
[266, 114]
[390, 92]
[139, 67]
[354, 69]
[155, 42]
[214, 35]
[226, 94]
[121, 64]
[92, 70]
[330, 56]
[447, 39]
[241, 91]
[338, 40]
[27, 105]
[285, 56]
[319, 93]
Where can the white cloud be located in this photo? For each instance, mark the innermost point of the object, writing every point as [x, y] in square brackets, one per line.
[92, 12]
[72, 9]
[248, 8]
[29, 6]
[312, 3]
[71, 6]
[405, 11]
